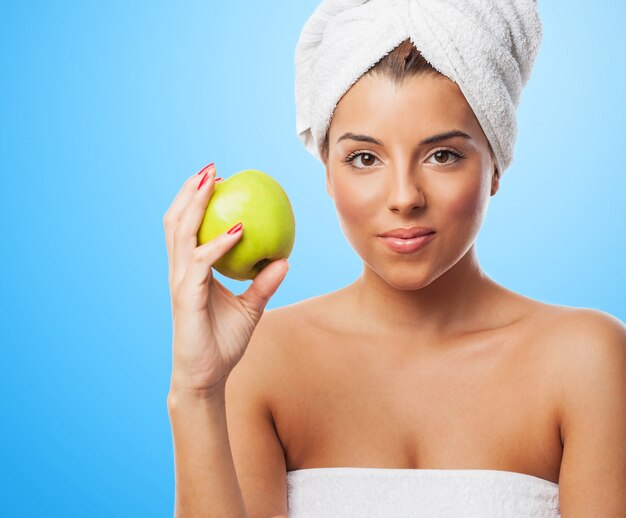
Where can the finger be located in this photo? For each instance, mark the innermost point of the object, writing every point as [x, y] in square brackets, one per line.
[172, 216]
[179, 203]
[264, 286]
[186, 233]
[202, 260]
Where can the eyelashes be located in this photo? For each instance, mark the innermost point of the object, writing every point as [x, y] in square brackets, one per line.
[349, 160]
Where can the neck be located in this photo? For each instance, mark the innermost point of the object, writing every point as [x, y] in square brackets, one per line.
[458, 301]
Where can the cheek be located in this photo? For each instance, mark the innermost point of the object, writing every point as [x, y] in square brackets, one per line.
[356, 200]
[467, 205]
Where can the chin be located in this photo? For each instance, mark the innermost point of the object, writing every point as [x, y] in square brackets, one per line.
[408, 285]
[406, 277]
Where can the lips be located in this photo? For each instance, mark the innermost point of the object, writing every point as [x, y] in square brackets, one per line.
[407, 233]
[407, 246]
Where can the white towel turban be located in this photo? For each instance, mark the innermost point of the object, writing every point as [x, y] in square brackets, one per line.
[487, 47]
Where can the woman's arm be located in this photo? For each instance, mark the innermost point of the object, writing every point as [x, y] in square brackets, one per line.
[212, 328]
[206, 481]
[592, 481]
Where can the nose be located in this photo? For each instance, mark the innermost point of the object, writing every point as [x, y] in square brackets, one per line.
[405, 195]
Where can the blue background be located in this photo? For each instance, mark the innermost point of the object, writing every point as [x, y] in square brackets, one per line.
[107, 107]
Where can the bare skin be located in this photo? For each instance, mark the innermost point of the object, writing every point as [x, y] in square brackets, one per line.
[423, 361]
[487, 399]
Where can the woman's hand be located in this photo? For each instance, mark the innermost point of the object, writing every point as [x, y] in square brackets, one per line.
[211, 326]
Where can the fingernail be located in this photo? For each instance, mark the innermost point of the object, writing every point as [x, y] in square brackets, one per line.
[218, 179]
[204, 179]
[235, 229]
[206, 167]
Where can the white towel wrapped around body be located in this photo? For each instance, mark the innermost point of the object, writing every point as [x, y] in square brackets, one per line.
[487, 47]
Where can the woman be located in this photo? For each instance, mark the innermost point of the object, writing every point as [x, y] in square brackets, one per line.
[422, 389]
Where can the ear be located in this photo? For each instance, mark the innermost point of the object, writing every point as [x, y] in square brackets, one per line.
[329, 188]
[495, 181]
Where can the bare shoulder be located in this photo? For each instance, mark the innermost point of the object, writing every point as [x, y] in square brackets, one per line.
[278, 325]
[591, 348]
[585, 331]
[568, 327]
[281, 323]
[593, 320]
[579, 341]
[277, 338]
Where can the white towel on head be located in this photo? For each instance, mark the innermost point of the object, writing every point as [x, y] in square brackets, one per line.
[487, 47]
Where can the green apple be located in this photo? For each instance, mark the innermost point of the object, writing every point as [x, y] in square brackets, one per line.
[269, 228]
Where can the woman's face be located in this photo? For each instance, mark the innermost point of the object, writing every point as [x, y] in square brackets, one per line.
[402, 181]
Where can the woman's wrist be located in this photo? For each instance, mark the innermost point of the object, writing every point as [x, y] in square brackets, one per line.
[183, 395]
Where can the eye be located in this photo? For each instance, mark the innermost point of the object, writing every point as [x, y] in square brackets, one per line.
[367, 159]
[442, 156]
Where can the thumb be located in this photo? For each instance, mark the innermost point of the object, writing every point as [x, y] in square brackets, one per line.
[265, 285]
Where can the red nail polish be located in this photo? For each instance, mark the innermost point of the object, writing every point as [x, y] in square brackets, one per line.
[205, 167]
[204, 179]
[235, 229]
[218, 179]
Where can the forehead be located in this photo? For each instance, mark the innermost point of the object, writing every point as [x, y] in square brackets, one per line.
[420, 105]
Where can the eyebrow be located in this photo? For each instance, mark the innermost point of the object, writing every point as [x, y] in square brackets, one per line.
[435, 138]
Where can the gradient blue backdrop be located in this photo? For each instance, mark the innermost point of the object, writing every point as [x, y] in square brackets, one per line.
[107, 107]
